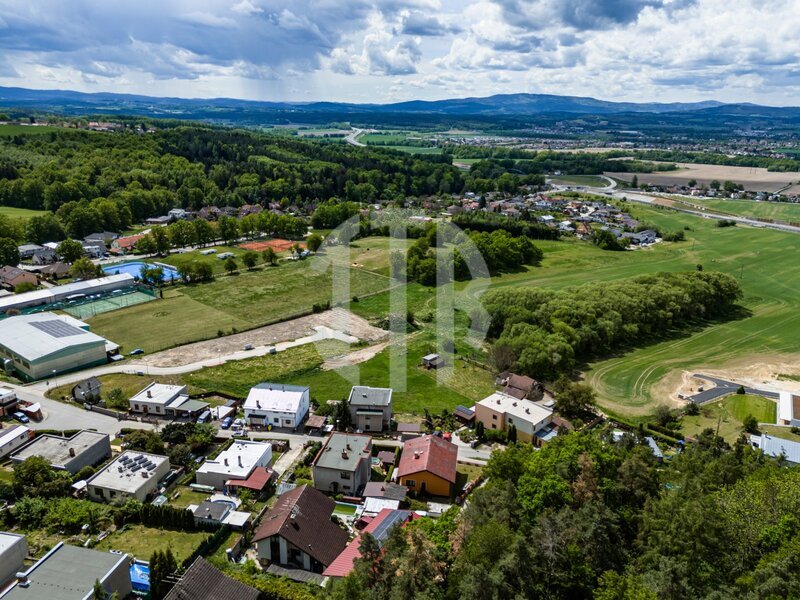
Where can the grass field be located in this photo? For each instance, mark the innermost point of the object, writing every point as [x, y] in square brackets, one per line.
[11, 130]
[728, 414]
[242, 301]
[414, 149]
[20, 213]
[140, 541]
[779, 211]
[585, 180]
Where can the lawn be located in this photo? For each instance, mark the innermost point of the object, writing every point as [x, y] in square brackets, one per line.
[11, 130]
[584, 180]
[780, 211]
[780, 432]
[186, 497]
[414, 149]
[20, 213]
[728, 414]
[140, 541]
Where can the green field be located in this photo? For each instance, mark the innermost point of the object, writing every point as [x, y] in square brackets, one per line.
[140, 541]
[242, 301]
[414, 149]
[20, 213]
[728, 414]
[584, 180]
[779, 211]
[11, 130]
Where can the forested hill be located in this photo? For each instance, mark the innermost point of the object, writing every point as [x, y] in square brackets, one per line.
[107, 181]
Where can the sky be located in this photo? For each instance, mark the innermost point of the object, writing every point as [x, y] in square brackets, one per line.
[395, 50]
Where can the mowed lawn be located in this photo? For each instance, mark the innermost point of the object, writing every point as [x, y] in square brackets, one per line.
[727, 415]
[238, 302]
[140, 541]
[13, 212]
[779, 211]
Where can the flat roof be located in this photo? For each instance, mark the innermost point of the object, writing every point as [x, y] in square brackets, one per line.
[275, 397]
[344, 451]
[159, 393]
[39, 335]
[59, 292]
[9, 540]
[242, 457]
[519, 409]
[362, 395]
[130, 479]
[55, 449]
[66, 572]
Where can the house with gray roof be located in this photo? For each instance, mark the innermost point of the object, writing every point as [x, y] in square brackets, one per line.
[343, 463]
[71, 454]
[370, 408]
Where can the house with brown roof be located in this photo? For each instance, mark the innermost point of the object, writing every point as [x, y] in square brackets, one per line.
[203, 581]
[297, 532]
[11, 277]
[54, 271]
[126, 244]
[428, 466]
[521, 387]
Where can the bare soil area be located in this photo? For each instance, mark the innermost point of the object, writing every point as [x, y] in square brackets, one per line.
[353, 358]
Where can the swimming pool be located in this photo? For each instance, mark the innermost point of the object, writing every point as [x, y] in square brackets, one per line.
[135, 268]
[140, 576]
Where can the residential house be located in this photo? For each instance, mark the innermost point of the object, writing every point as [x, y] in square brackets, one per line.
[428, 466]
[160, 221]
[343, 465]
[648, 236]
[45, 256]
[106, 237]
[370, 408]
[500, 411]
[219, 512]
[237, 462]
[385, 489]
[132, 474]
[250, 209]
[87, 391]
[71, 454]
[94, 249]
[789, 409]
[8, 401]
[13, 438]
[209, 213]
[127, 244]
[11, 277]
[13, 552]
[276, 405]
[176, 214]
[164, 400]
[463, 414]
[298, 532]
[408, 431]
[203, 581]
[54, 271]
[521, 386]
[26, 251]
[70, 573]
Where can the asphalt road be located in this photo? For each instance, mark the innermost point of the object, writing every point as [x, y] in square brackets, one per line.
[722, 388]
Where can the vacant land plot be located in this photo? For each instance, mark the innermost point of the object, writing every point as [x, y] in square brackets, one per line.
[728, 415]
[140, 541]
[277, 244]
[752, 178]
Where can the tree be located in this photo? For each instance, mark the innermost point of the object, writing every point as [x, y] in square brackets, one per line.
[750, 424]
[162, 566]
[714, 185]
[269, 256]
[480, 430]
[115, 398]
[144, 441]
[740, 390]
[25, 286]
[228, 229]
[146, 245]
[34, 477]
[575, 399]
[84, 268]
[692, 183]
[662, 415]
[44, 228]
[203, 232]
[313, 242]
[230, 265]
[250, 259]
[9, 253]
[635, 182]
[160, 239]
[203, 271]
[69, 250]
[512, 434]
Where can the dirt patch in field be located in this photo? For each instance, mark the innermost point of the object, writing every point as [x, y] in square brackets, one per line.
[353, 358]
[277, 244]
[337, 318]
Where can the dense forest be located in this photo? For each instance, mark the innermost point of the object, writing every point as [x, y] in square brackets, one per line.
[543, 333]
[587, 517]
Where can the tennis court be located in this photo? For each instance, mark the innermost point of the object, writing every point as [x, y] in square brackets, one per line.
[107, 304]
[278, 245]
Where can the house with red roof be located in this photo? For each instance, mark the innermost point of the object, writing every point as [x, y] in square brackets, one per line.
[428, 466]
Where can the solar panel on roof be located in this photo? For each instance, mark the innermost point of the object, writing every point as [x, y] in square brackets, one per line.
[394, 518]
[125, 460]
[57, 328]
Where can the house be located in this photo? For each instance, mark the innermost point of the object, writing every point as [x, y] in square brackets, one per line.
[8, 401]
[385, 490]
[250, 209]
[45, 256]
[343, 463]
[428, 466]
[522, 387]
[218, 513]
[13, 552]
[408, 431]
[257, 482]
[13, 438]
[70, 573]
[11, 277]
[203, 581]
[789, 409]
[209, 213]
[54, 271]
[126, 244]
[777, 447]
[379, 528]
[176, 214]
[370, 408]
[276, 405]
[298, 532]
[159, 221]
[464, 415]
[96, 249]
[166, 401]
[432, 361]
[84, 449]
[648, 236]
[237, 462]
[87, 391]
[107, 237]
[501, 411]
[132, 474]
[26, 251]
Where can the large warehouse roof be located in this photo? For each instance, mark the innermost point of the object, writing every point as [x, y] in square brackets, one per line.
[39, 335]
[61, 292]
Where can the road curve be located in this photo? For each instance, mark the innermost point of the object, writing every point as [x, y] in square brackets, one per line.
[723, 387]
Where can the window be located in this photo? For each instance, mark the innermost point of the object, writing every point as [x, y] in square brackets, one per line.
[411, 483]
[510, 420]
[276, 420]
[494, 426]
[344, 475]
[135, 407]
[494, 417]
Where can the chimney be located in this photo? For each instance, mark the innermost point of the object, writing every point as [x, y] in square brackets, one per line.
[258, 404]
[416, 454]
[344, 454]
[149, 393]
[72, 452]
[226, 462]
[240, 461]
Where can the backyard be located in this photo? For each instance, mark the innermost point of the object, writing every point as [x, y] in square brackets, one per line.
[727, 415]
[140, 541]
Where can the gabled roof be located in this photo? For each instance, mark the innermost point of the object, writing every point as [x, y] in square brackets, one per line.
[431, 454]
[303, 518]
[203, 581]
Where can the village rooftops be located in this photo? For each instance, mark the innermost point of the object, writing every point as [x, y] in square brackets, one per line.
[238, 461]
[343, 451]
[429, 453]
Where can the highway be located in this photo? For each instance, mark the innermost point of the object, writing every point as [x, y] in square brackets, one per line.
[352, 137]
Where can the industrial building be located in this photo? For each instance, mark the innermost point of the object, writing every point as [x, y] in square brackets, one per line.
[69, 573]
[84, 449]
[132, 474]
[236, 463]
[276, 405]
[60, 293]
[44, 344]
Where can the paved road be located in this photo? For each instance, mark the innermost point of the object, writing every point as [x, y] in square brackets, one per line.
[352, 137]
[723, 387]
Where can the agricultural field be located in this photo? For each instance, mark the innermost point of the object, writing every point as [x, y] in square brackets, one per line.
[11, 130]
[230, 303]
[779, 211]
[752, 178]
[415, 149]
[728, 414]
[13, 212]
[584, 180]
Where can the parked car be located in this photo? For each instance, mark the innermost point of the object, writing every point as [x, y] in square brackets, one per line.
[204, 417]
[226, 423]
[21, 417]
[136, 352]
[248, 346]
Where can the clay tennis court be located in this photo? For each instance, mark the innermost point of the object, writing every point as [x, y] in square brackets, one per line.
[278, 245]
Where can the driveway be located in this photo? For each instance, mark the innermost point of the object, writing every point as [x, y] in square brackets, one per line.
[723, 387]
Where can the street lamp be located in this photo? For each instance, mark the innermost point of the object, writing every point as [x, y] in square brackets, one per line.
[55, 381]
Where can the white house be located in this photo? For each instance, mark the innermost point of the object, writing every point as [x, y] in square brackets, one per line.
[132, 474]
[235, 463]
[13, 439]
[789, 409]
[276, 405]
[166, 400]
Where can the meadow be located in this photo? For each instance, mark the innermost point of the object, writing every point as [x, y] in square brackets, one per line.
[11, 130]
[13, 212]
[584, 180]
[779, 211]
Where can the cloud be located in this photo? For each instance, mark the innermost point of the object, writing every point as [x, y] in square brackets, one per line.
[421, 24]
[247, 8]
